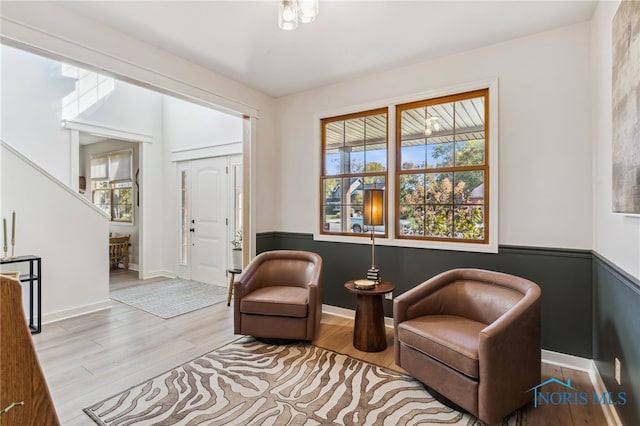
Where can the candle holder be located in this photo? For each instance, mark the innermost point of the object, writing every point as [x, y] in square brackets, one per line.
[13, 246]
[5, 253]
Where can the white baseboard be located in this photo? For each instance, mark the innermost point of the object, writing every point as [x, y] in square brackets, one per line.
[549, 357]
[610, 412]
[134, 267]
[160, 273]
[77, 311]
[350, 313]
[569, 361]
[339, 312]
[589, 367]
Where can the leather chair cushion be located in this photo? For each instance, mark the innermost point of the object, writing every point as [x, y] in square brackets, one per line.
[450, 339]
[277, 301]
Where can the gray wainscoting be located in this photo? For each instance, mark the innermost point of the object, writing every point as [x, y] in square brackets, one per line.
[565, 277]
[590, 308]
[616, 333]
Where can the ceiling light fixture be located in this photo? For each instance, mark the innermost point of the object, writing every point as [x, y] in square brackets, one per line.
[431, 125]
[293, 11]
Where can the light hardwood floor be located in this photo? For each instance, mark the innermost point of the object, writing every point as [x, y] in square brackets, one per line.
[91, 357]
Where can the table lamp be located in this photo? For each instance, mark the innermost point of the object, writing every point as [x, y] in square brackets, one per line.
[373, 216]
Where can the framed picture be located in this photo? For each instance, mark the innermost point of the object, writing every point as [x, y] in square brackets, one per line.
[626, 108]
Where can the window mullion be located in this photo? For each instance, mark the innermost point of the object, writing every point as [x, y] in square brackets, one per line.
[111, 203]
[450, 207]
[392, 202]
[344, 138]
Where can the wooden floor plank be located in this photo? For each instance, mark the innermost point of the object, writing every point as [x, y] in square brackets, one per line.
[549, 415]
[584, 414]
[89, 358]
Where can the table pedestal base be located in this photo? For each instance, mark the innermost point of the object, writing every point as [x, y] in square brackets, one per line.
[369, 332]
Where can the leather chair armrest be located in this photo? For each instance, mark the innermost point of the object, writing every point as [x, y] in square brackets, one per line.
[510, 358]
[242, 286]
[314, 285]
[399, 315]
[316, 276]
[315, 311]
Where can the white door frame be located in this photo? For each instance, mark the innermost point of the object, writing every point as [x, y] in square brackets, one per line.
[209, 217]
[75, 127]
[49, 42]
[182, 159]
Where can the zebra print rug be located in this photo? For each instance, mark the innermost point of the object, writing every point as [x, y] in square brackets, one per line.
[252, 383]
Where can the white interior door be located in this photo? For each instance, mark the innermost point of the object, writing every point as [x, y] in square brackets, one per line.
[208, 228]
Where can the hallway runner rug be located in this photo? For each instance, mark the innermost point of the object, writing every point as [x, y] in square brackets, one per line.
[251, 383]
[167, 299]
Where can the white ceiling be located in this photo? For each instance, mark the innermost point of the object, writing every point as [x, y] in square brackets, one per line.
[241, 39]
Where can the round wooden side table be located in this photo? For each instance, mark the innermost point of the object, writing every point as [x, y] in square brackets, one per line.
[368, 331]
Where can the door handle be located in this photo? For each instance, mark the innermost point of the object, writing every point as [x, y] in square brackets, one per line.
[192, 230]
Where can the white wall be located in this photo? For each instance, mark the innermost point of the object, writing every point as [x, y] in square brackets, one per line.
[31, 118]
[71, 236]
[51, 27]
[616, 237]
[129, 108]
[545, 137]
[138, 110]
[33, 88]
[188, 125]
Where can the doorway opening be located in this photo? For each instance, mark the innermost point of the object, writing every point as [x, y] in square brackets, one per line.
[158, 124]
[210, 217]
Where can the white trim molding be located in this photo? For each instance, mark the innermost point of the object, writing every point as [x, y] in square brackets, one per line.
[77, 311]
[589, 367]
[159, 273]
[98, 130]
[52, 178]
[206, 151]
[610, 412]
[56, 39]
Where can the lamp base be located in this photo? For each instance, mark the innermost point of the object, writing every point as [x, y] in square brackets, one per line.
[373, 274]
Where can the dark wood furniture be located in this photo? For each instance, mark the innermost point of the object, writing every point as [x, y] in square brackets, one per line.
[34, 278]
[232, 272]
[119, 251]
[23, 386]
[368, 331]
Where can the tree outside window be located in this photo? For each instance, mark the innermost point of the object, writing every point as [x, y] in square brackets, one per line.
[442, 168]
[354, 159]
[441, 173]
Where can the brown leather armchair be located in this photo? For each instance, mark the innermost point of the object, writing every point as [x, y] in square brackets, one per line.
[279, 296]
[472, 336]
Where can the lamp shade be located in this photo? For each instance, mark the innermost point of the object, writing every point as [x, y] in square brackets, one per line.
[374, 207]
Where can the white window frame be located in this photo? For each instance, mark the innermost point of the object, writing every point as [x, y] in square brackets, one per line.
[110, 184]
[391, 240]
